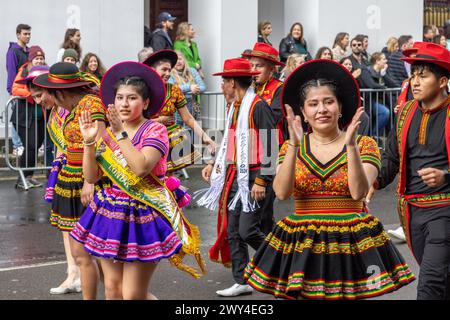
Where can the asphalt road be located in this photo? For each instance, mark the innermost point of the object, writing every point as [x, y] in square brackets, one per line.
[32, 254]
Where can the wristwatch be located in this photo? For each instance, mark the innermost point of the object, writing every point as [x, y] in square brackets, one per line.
[122, 135]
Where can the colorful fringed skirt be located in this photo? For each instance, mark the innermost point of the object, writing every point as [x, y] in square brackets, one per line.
[182, 152]
[66, 205]
[116, 226]
[320, 253]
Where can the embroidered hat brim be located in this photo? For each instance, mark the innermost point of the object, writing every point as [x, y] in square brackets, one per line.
[62, 75]
[441, 63]
[265, 56]
[236, 73]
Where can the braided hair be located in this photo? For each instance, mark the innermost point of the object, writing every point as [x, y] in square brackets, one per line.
[316, 83]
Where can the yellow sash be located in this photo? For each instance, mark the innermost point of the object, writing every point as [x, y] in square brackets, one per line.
[154, 193]
[54, 128]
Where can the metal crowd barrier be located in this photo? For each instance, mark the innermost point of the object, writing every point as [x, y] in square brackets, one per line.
[13, 162]
[213, 113]
[213, 110]
[213, 118]
[387, 99]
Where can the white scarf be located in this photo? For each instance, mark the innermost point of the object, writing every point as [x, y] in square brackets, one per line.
[211, 196]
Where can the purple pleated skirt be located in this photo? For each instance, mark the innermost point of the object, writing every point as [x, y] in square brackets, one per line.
[57, 165]
[116, 226]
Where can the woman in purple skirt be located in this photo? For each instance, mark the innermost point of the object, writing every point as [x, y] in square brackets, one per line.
[136, 222]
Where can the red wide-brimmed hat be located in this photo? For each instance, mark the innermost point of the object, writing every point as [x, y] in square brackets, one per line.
[416, 46]
[430, 53]
[265, 51]
[237, 67]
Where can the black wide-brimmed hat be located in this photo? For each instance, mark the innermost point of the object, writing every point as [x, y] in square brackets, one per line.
[160, 55]
[347, 86]
[64, 75]
[121, 70]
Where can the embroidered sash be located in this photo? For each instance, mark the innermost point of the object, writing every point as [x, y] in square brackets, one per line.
[154, 193]
[210, 196]
[267, 92]
[420, 201]
[403, 96]
[54, 127]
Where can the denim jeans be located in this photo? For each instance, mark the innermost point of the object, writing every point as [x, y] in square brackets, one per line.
[15, 138]
[380, 117]
[179, 121]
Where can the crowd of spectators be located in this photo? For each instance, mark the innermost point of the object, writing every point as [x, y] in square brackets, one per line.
[378, 70]
[28, 118]
[372, 69]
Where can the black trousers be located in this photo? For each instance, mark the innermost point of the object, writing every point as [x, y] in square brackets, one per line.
[267, 220]
[246, 228]
[430, 233]
[31, 141]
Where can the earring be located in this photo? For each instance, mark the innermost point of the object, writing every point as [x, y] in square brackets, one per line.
[340, 115]
[306, 120]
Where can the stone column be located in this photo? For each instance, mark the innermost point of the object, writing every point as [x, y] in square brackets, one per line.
[225, 28]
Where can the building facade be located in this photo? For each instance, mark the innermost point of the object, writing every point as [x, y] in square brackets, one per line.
[114, 28]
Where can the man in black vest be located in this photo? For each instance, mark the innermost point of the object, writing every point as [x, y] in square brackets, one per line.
[418, 150]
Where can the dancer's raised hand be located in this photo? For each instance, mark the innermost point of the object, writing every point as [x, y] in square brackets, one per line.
[88, 128]
[294, 126]
[352, 129]
[114, 119]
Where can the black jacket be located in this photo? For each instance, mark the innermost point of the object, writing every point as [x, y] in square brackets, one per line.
[364, 80]
[147, 37]
[287, 47]
[160, 40]
[370, 79]
[24, 111]
[356, 64]
[397, 70]
[386, 81]
[261, 39]
[387, 54]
